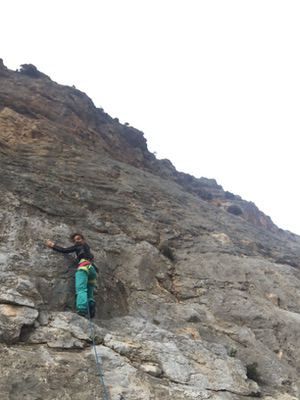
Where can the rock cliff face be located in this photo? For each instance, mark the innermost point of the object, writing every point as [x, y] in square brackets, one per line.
[198, 294]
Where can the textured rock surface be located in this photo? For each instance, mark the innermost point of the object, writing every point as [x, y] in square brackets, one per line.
[195, 299]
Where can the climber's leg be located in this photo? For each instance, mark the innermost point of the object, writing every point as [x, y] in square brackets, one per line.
[92, 277]
[81, 279]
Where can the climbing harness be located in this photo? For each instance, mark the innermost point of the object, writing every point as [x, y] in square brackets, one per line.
[86, 265]
[106, 394]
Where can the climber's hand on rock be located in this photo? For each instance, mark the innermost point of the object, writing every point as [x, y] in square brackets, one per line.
[49, 243]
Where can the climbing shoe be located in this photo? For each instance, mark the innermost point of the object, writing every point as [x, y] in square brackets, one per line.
[82, 313]
[92, 309]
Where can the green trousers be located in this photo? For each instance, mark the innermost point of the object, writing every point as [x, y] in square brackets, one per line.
[85, 282]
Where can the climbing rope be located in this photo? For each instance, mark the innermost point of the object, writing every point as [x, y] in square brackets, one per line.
[98, 360]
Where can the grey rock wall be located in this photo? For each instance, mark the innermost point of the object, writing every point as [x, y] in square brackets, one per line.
[192, 302]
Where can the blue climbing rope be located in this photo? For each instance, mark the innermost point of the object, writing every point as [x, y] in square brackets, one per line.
[98, 360]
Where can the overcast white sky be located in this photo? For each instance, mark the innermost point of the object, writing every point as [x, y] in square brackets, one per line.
[214, 85]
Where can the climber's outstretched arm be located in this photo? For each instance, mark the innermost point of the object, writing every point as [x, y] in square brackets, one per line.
[53, 246]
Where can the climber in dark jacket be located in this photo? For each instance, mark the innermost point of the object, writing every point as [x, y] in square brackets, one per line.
[85, 277]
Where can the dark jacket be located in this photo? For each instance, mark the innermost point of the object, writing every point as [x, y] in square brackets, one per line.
[81, 250]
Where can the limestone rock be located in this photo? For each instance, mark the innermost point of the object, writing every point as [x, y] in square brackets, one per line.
[66, 330]
[193, 302]
[151, 369]
[13, 319]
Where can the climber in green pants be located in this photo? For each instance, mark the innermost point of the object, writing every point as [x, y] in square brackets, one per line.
[85, 281]
[86, 274]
